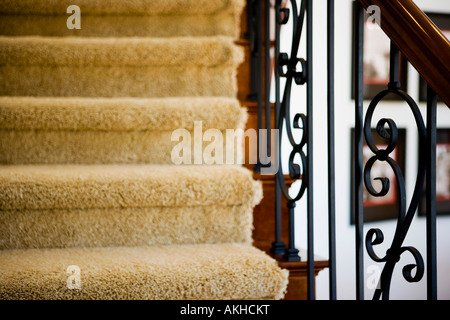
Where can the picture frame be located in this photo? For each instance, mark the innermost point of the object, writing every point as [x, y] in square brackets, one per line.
[379, 208]
[442, 175]
[376, 62]
[442, 21]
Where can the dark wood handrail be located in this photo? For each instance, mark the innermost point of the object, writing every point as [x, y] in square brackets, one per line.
[418, 38]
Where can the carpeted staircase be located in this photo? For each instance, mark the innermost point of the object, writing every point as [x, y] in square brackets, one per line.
[87, 179]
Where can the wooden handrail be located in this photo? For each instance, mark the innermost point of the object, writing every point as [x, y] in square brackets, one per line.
[418, 38]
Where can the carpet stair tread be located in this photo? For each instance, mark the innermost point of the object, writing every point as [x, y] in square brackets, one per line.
[41, 187]
[216, 271]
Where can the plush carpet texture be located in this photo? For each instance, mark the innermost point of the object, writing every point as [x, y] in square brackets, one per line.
[92, 203]
[89, 147]
[115, 130]
[119, 114]
[118, 7]
[118, 67]
[159, 81]
[117, 52]
[117, 18]
[121, 26]
[205, 271]
[100, 227]
[38, 187]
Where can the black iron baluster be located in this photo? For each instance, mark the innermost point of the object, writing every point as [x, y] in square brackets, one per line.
[310, 180]
[267, 77]
[287, 67]
[259, 96]
[331, 153]
[278, 247]
[251, 35]
[255, 26]
[358, 183]
[405, 214]
[431, 195]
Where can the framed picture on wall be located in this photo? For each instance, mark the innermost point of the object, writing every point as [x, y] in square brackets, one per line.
[442, 175]
[442, 21]
[386, 207]
[376, 62]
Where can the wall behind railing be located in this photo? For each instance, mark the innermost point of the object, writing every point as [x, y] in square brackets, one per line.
[344, 122]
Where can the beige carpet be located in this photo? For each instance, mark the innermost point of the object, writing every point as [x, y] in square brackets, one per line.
[222, 271]
[118, 67]
[132, 18]
[80, 130]
[86, 178]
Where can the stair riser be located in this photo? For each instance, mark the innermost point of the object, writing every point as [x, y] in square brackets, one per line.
[120, 114]
[120, 7]
[119, 52]
[101, 147]
[117, 81]
[125, 227]
[120, 26]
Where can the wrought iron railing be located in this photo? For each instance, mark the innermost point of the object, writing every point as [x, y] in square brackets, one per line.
[298, 71]
[386, 128]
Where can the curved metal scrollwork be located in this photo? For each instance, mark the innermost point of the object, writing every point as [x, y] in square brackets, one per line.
[293, 69]
[288, 69]
[387, 129]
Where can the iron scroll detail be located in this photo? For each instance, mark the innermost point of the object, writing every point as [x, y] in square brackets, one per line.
[387, 129]
[294, 70]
